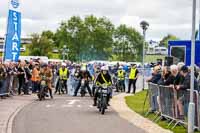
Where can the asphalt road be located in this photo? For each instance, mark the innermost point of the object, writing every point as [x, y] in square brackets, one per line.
[69, 114]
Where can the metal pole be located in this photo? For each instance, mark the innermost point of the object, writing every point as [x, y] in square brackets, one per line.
[191, 111]
[63, 55]
[5, 35]
[143, 59]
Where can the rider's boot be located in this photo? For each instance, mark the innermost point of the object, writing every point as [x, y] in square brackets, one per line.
[108, 99]
[51, 95]
[95, 102]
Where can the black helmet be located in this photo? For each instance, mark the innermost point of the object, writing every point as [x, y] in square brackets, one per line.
[44, 65]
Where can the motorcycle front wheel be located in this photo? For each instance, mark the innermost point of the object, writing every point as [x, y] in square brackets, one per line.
[104, 105]
[82, 92]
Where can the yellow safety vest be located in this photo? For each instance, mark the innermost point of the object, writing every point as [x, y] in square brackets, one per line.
[63, 74]
[132, 73]
[121, 74]
[106, 82]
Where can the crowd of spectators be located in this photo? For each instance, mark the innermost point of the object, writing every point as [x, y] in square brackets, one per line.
[178, 78]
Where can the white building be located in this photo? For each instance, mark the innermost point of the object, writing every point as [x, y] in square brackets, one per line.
[23, 41]
[155, 49]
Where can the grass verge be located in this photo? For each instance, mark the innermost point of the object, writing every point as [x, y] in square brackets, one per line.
[136, 103]
[153, 58]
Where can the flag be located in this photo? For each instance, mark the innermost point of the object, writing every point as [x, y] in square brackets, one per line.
[13, 35]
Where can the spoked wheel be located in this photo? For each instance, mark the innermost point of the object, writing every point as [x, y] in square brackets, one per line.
[103, 106]
[40, 94]
[82, 95]
[103, 111]
[100, 109]
[59, 88]
[123, 89]
[82, 92]
[40, 98]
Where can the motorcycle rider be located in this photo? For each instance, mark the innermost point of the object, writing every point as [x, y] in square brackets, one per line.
[84, 74]
[46, 71]
[97, 72]
[63, 75]
[103, 78]
[121, 78]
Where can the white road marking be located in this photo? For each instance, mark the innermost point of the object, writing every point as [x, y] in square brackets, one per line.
[71, 102]
[68, 106]
[91, 106]
[49, 106]
[79, 106]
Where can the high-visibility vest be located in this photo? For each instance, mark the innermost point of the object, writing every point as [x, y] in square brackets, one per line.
[63, 74]
[105, 81]
[35, 75]
[121, 74]
[132, 73]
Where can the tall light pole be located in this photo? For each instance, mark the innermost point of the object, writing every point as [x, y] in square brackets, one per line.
[144, 25]
[64, 52]
[191, 110]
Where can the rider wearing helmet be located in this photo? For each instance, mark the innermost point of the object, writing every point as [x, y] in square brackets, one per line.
[63, 75]
[103, 78]
[84, 74]
[121, 77]
[47, 72]
[97, 72]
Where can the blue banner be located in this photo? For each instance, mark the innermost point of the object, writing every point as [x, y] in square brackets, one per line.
[13, 36]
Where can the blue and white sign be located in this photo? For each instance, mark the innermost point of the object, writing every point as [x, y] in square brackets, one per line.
[13, 36]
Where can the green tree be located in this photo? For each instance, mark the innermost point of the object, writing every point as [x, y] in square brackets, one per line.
[41, 45]
[127, 43]
[169, 37]
[71, 33]
[99, 38]
[49, 34]
[86, 39]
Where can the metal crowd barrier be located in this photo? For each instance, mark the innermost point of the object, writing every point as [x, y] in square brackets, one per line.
[8, 85]
[167, 103]
[170, 103]
[4, 84]
[183, 98]
[14, 84]
[153, 94]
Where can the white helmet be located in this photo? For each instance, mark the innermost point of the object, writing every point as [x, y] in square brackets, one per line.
[104, 68]
[120, 67]
[83, 68]
[63, 64]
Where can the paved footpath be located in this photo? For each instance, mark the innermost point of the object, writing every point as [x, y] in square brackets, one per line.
[9, 108]
[118, 103]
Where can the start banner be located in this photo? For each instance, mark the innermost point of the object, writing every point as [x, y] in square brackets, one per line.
[13, 35]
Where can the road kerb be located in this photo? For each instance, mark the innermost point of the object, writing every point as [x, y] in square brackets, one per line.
[10, 121]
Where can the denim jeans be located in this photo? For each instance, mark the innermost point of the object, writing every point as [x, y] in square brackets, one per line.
[35, 86]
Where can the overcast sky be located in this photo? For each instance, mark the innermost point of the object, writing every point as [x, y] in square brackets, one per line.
[164, 16]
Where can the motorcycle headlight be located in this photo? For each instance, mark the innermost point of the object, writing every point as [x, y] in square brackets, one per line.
[83, 82]
[104, 86]
[43, 82]
[105, 91]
